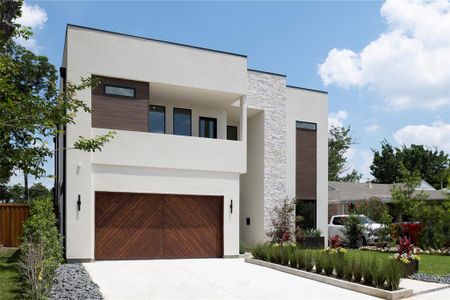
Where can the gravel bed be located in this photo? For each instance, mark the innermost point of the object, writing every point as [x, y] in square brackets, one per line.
[72, 281]
[431, 278]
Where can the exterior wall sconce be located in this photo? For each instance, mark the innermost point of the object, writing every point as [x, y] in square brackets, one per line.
[79, 203]
[231, 206]
[247, 221]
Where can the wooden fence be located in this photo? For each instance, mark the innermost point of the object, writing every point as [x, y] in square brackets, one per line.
[12, 217]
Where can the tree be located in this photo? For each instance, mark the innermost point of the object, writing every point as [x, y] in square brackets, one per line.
[385, 167]
[353, 231]
[373, 208]
[39, 191]
[339, 142]
[432, 165]
[32, 110]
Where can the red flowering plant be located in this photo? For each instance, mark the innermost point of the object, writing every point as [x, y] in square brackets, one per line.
[405, 251]
[335, 241]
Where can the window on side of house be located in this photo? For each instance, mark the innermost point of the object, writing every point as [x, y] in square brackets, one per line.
[182, 122]
[232, 133]
[207, 128]
[119, 91]
[157, 119]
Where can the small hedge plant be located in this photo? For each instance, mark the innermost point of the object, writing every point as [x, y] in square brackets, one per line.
[41, 251]
[372, 271]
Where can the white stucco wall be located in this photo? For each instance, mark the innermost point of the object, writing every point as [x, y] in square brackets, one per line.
[144, 162]
[252, 184]
[309, 106]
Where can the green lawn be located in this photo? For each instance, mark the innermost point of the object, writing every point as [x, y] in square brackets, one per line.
[429, 264]
[8, 274]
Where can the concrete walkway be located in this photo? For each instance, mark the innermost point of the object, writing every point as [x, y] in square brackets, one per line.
[210, 279]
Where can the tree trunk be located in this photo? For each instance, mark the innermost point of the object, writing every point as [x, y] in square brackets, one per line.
[25, 184]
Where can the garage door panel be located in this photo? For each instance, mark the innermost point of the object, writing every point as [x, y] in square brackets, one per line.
[133, 226]
[128, 225]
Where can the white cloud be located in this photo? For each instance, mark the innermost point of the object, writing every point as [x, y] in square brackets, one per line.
[371, 128]
[438, 134]
[409, 64]
[367, 159]
[336, 119]
[32, 16]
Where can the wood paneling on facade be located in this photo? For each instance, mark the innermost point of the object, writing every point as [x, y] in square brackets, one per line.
[12, 217]
[123, 113]
[306, 164]
[143, 226]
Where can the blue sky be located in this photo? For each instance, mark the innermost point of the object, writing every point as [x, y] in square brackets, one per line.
[386, 77]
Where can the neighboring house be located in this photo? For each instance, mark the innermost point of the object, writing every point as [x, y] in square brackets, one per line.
[205, 149]
[342, 196]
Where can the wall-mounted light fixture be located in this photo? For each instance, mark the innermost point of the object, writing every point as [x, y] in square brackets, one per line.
[247, 221]
[79, 203]
[231, 206]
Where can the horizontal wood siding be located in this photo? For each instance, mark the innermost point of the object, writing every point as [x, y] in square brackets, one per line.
[12, 217]
[121, 113]
[306, 164]
[143, 226]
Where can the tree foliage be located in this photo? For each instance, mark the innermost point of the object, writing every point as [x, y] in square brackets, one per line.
[432, 165]
[353, 230]
[374, 208]
[32, 109]
[339, 142]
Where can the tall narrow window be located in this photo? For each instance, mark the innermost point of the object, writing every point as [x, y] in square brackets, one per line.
[207, 128]
[157, 119]
[182, 121]
[232, 134]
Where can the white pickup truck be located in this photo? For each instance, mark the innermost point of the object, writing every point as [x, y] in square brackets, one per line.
[370, 230]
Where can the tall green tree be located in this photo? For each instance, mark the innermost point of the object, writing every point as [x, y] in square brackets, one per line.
[339, 142]
[32, 109]
[431, 165]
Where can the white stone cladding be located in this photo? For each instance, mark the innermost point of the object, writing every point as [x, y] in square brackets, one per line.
[268, 92]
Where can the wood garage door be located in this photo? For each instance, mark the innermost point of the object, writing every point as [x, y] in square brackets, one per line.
[141, 226]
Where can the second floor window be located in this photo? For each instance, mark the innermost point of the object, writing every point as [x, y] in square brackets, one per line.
[207, 128]
[182, 121]
[157, 119]
[120, 91]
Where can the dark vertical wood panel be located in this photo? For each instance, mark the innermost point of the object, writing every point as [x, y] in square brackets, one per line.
[12, 217]
[306, 164]
[120, 112]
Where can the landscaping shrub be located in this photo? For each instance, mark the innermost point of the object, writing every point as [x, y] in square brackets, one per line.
[299, 259]
[374, 209]
[335, 241]
[393, 274]
[283, 222]
[242, 247]
[328, 264]
[308, 259]
[380, 274]
[432, 217]
[41, 250]
[353, 230]
[259, 252]
[286, 254]
[318, 261]
[338, 264]
[348, 268]
[369, 270]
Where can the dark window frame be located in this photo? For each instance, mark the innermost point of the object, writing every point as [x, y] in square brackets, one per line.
[119, 96]
[299, 123]
[173, 120]
[237, 133]
[165, 127]
[207, 119]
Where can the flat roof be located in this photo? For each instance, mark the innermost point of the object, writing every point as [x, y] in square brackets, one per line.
[154, 40]
[306, 89]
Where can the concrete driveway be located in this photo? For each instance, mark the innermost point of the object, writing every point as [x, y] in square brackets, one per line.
[206, 279]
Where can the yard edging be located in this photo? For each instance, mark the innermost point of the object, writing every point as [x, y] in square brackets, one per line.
[368, 290]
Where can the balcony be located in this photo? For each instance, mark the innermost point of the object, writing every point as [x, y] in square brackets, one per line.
[143, 149]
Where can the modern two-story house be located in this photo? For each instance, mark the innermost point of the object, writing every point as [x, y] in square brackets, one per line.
[205, 148]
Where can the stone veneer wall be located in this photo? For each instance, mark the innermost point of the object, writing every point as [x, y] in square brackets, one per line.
[268, 92]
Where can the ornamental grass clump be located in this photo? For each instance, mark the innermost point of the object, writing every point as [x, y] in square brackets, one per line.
[328, 264]
[380, 274]
[393, 274]
[259, 252]
[318, 261]
[308, 260]
[356, 268]
[275, 254]
[338, 265]
[369, 270]
[286, 253]
[299, 259]
[348, 270]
